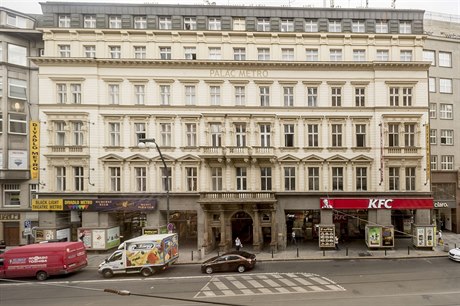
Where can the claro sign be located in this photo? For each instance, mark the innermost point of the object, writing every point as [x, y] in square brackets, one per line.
[376, 203]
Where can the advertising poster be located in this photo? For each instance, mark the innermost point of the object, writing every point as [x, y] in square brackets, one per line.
[63, 233]
[420, 237]
[149, 231]
[113, 237]
[85, 235]
[17, 159]
[34, 148]
[374, 236]
[326, 236]
[98, 239]
[429, 231]
[143, 253]
[388, 236]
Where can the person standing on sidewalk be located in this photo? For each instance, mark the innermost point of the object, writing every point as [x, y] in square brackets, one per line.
[238, 244]
[293, 240]
[336, 241]
[440, 241]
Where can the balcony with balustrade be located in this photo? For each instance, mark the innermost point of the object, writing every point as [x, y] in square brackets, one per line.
[403, 151]
[237, 197]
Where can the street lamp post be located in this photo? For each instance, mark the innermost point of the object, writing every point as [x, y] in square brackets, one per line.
[142, 144]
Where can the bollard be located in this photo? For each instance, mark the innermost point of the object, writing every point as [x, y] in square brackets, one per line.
[455, 245]
[347, 251]
[218, 253]
[272, 253]
[408, 250]
[385, 252]
[297, 252]
[192, 255]
[324, 253]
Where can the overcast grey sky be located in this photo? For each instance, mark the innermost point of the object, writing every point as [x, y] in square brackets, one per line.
[440, 6]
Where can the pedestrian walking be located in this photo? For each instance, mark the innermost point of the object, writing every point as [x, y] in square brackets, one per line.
[238, 244]
[293, 240]
[336, 241]
[440, 241]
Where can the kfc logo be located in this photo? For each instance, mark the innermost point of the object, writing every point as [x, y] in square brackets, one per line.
[326, 204]
[379, 203]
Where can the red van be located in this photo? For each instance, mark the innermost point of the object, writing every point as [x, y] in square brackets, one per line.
[43, 259]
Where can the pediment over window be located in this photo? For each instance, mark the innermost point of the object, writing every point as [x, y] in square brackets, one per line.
[189, 158]
[337, 159]
[313, 159]
[166, 157]
[362, 159]
[138, 158]
[112, 158]
[288, 158]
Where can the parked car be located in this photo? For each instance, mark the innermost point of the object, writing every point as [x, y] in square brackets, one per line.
[454, 254]
[232, 261]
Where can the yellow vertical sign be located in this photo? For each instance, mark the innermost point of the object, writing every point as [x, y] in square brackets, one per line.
[428, 154]
[34, 149]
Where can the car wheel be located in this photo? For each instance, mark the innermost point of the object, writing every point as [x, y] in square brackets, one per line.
[146, 272]
[241, 269]
[107, 273]
[209, 270]
[41, 275]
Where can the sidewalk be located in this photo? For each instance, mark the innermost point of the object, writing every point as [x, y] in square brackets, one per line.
[351, 250]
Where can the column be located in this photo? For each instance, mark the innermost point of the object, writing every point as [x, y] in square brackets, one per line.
[274, 234]
[223, 230]
[256, 230]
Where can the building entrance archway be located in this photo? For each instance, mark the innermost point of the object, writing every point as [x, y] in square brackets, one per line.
[242, 227]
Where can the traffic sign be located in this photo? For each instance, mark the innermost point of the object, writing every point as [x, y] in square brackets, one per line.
[170, 227]
[27, 223]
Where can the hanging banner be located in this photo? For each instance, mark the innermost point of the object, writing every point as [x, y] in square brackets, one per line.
[428, 154]
[34, 148]
[110, 204]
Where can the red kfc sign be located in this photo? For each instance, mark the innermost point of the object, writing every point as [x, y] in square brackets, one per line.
[376, 203]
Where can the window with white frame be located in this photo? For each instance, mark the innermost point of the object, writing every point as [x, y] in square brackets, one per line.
[434, 162]
[140, 52]
[265, 178]
[337, 178]
[393, 135]
[139, 94]
[312, 55]
[360, 96]
[115, 178]
[381, 26]
[114, 93]
[241, 178]
[240, 95]
[409, 134]
[190, 134]
[447, 162]
[433, 110]
[89, 21]
[405, 27]
[398, 94]
[64, 50]
[214, 24]
[61, 178]
[140, 22]
[359, 55]
[190, 53]
[265, 135]
[239, 24]
[189, 23]
[446, 111]
[361, 179]
[115, 22]
[191, 178]
[64, 21]
[166, 178]
[433, 136]
[287, 54]
[139, 131]
[313, 178]
[394, 96]
[429, 56]
[239, 54]
[165, 53]
[313, 135]
[17, 124]
[289, 135]
[393, 178]
[360, 135]
[190, 94]
[288, 96]
[214, 95]
[240, 135]
[216, 178]
[312, 96]
[336, 135]
[311, 25]
[432, 84]
[11, 195]
[114, 51]
[114, 134]
[166, 134]
[445, 86]
[287, 25]
[335, 26]
[75, 93]
[165, 23]
[335, 55]
[263, 54]
[410, 178]
[405, 55]
[60, 133]
[17, 55]
[90, 51]
[263, 24]
[140, 177]
[78, 133]
[445, 59]
[61, 91]
[79, 178]
[215, 53]
[216, 135]
[264, 95]
[16, 21]
[447, 137]
[358, 26]
[165, 94]
[336, 96]
[289, 178]
[383, 55]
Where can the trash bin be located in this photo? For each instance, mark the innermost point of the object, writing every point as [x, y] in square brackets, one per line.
[446, 247]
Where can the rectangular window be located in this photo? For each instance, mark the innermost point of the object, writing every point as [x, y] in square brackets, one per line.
[140, 22]
[313, 178]
[407, 96]
[405, 27]
[214, 24]
[240, 134]
[288, 96]
[393, 135]
[216, 179]
[393, 178]
[311, 25]
[79, 178]
[75, 93]
[189, 23]
[360, 135]
[61, 178]
[381, 26]
[216, 135]
[429, 56]
[360, 96]
[263, 24]
[17, 124]
[265, 134]
[16, 21]
[241, 179]
[78, 134]
[361, 179]
[287, 54]
[433, 110]
[89, 21]
[447, 137]
[64, 21]
[190, 53]
[190, 134]
[90, 51]
[59, 128]
[445, 59]
[166, 134]
[434, 162]
[289, 135]
[12, 195]
[165, 94]
[115, 51]
[114, 94]
[358, 26]
[447, 162]
[114, 134]
[64, 50]
[190, 95]
[192, 178]
[337, 178]
[115, 22]
[165, 53]
[17, 55]
[239, 54]
[139, 94]
[394, 96]
[433, 136]
[240, 95]
[263, 54]
[359, 55]
[287, 25]
[264, 95]
[405, 55]
[383, 55]
[432, 84]
[410, 178]
[445, 86]
[312, 55]
[61, 90]
[215, 95]
[166, 178]
[313, 135]
[266, 178]
[409, 135]
[446, 111]
[239, 24]
[115, 178]
[335, 26]
[335, 55]
[140, 176]
[215, 53]
[336, 96]
[336, 135]
[312, 96]
[139, 131]
[140, 52]
[289, 178]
